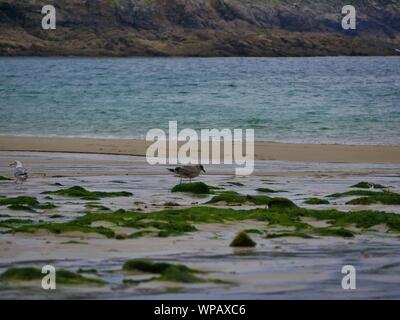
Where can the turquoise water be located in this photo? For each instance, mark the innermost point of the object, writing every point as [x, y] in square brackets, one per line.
[313, 100]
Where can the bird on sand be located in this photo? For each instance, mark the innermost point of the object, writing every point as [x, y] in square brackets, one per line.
[20, 173]
[188, 172]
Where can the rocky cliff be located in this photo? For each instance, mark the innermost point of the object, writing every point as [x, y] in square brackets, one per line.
[199, 28]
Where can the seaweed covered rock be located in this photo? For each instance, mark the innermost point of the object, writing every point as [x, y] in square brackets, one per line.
[22, 200]
[316, 201]
[25, 203]
[234, 198]
[80, 192]
[386, 198]
[195, 187]
[368, 185]
[281, 203]
[22, 274]
[177, 274]
[268, 190]
[32, 274]
[370, 197]
[144, 265]
[242, 239]
[167, 271]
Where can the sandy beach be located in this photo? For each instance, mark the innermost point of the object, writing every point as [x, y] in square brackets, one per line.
[328, 153]
[287, 267]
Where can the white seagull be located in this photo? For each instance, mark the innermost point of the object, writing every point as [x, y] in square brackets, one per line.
[20, 173]
[188, 172]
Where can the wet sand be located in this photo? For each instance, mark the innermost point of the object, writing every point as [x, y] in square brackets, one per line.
[287, 268]
[263, 150]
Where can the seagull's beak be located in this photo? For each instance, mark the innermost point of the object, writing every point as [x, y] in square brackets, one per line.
[11, 164]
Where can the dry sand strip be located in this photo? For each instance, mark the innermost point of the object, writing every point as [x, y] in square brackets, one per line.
[263, 150]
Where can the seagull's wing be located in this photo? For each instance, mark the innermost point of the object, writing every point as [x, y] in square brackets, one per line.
[178, 171]
[189, 169]
[181, 170]
[21, 173]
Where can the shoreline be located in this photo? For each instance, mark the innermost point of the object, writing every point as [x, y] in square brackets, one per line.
[321, 153]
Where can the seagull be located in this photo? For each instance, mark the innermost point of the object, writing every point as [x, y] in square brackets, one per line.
[188, 172]
[20, 173]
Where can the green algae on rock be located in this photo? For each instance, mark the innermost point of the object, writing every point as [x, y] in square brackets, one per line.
[63, 276]
[236, 184]
[242, 239]
[307, 233]
[370, 197]
[145, 265]
[22, 274]
[268, 190]
[175, 222]
[386, 198]
[255, 231]
[82, 270]
[234, 198]
[167, 271]
[143, 233]
[97, 206]
[4, 178]
[13, 223]
[59, 228]
[56, 216]
[175, 274]
[171, 204]
[368, 185]
[287, 234]
[82, 193]
[334, 232]
[74, 242]
[25, 203]
[316, 201]
[280, 203]
[21, 200]
[353, 193]
[194, 187]
[21, 207]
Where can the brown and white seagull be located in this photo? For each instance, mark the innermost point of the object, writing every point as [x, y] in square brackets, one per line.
[188, 172]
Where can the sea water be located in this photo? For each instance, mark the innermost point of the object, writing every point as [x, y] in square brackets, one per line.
[351, 100]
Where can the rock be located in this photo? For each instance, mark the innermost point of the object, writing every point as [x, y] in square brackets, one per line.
[197, 28]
